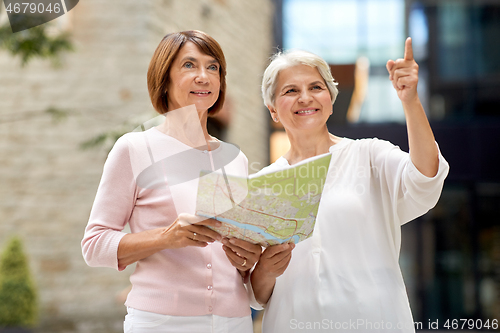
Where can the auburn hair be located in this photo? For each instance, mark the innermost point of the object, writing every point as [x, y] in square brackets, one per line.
[164, 56]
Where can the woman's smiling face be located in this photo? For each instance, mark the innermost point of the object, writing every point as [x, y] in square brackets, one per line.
[302, 99]
[194, 78]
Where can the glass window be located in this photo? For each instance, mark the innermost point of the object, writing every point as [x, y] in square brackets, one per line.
[468, 41]
[341, 31]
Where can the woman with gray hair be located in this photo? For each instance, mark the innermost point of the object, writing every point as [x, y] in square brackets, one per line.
[346, 276]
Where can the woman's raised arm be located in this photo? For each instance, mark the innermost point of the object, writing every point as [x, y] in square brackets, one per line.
[403, 74]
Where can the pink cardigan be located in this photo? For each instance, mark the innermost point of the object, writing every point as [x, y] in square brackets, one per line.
[148, 179]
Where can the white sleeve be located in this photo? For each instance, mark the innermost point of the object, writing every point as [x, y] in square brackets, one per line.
[251, 296]
[410, 193]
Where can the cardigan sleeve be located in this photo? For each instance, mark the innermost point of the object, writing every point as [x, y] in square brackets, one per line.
[112, 208]
[410, 193]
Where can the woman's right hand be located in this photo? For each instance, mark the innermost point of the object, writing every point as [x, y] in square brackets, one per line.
[274, 260]
[190, 230]
[272, 263]
[187, 230]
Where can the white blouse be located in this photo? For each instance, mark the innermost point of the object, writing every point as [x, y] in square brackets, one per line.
[346, 277]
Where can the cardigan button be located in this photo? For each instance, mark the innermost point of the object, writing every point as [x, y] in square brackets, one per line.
[210, 287]
[209, 266]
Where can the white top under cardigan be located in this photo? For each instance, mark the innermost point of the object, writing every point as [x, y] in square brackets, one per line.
[346, 277]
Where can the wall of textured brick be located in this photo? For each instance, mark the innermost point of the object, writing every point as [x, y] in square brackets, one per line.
[243, 28]
[48, 183]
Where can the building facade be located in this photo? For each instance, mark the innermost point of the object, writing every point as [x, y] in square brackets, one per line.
[49, 181]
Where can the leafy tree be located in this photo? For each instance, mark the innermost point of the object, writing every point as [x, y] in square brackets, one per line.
[18, 298]
[34, 43]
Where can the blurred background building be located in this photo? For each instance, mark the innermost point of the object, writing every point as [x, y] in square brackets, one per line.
[450, 257]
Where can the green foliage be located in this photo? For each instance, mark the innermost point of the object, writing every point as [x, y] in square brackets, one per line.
[57, 114]
[107, 139]
[33, 43]
[18, 299]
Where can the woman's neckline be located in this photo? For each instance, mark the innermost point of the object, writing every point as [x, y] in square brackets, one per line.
[216, 140]
[343, 141]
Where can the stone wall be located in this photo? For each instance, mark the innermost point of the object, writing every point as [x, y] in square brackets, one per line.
[48, 182]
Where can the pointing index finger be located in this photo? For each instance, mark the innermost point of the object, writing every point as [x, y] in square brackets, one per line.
[408, 49]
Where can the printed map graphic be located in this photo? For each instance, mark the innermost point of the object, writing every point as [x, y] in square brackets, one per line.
[268, 209]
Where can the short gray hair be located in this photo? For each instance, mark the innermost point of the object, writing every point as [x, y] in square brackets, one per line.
[287, 59]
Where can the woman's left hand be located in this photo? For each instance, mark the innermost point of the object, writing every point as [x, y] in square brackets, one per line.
[403, 74]
[242, 254]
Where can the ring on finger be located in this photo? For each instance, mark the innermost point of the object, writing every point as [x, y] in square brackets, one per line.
[244, 263]
[194, 235]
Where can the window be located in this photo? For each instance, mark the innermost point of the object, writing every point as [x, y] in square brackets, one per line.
[340, 31]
